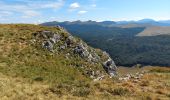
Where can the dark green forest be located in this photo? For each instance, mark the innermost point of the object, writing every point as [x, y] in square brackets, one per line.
[123, 45]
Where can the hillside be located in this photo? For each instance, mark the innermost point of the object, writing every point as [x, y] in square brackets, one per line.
[128, 44]
[50, 55]
[155, 31]
[40, 63]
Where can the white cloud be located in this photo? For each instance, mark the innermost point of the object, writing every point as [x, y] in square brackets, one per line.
[31, 8]
[82, 12]
[74, 5]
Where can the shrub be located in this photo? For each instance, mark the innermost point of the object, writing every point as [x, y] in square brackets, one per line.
[145, 83]
[38, 79]
[81, 92]
[168, 95]
[120, 91]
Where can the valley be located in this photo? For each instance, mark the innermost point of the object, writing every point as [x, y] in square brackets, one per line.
[143, 42]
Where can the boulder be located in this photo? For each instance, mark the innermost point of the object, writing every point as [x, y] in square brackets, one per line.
[47, 34]
[55, 38]
[62, 47]
[81, 50]
[70, 40]
[110, 67]
[99, 78]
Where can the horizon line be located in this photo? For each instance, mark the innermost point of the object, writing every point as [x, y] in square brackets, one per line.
[128, 20]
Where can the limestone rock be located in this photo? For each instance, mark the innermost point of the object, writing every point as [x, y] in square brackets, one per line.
[70, 40]
[81, 50]
[55, 38]
[110, 67]
[48, 45]
[46, 34]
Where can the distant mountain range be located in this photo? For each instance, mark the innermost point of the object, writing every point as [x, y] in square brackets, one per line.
[145, 41]
[146, 21]
[152, 27]
[116, 23]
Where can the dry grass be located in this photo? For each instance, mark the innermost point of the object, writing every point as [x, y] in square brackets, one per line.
[155, 30]
[152, 86]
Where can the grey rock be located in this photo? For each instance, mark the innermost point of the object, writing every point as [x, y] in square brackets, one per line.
[47, 45]
[99, 78]
[136, 81]
[55, 38]
[90, 58]
[47, 34]
[33, 41]
[62, 47]
[81, 50]
[70, 40]
[58, 26]
[110, 67]
[67, 55]
[93, 57]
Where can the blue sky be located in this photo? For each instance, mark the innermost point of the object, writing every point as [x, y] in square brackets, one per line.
[37, 11]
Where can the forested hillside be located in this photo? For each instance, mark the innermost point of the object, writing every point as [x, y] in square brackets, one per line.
[123, 44]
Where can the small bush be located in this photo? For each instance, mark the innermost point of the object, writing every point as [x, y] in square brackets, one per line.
[97, 85]
[168, 95]
[148, 97]
[145, 83]
[120, 91]
[81, 92]
[38, 79]
[56, 91]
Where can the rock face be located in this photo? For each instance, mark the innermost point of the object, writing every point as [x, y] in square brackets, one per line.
[81, 50]
[53, 41]
[110, 66]
[48, 45]
[55, 38]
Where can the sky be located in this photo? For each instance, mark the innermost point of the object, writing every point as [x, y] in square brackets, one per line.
[38, 11]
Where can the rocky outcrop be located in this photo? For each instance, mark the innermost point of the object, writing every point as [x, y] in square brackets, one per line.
[53, 41]
[48, 45]
[137, 76]
[109, 65]
[81, 50]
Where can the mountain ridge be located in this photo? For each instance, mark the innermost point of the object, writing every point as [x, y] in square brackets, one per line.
[115, 23]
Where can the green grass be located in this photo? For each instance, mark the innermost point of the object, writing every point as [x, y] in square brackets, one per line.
[19, 57]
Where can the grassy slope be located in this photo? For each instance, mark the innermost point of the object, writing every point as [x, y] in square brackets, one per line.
[27, 72]
[154, 85]
[18, 57]
[155, 30]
